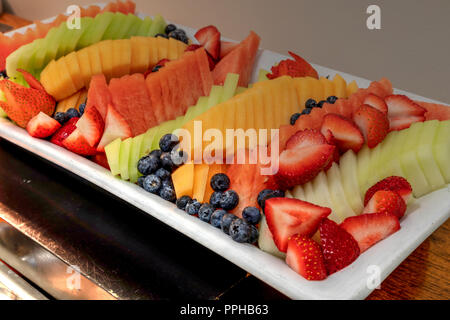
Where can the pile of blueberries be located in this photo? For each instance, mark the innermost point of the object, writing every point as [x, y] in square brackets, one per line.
[157, 167]
[63, 117]
[3, 74]
[172, 31]
[309, 105]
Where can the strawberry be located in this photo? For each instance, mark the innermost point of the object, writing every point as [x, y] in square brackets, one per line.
[402, 106]
[387, 202]
[338, 246]
[115, 127]
[42, 126]
[226, 47]
[300, 165]
[192, 47]
[32, 81]
[286, 217]
[162, 62]
[91, 125]
[101, 160]
[375, 101]
[23, 103]
[373, 124]
[400, 123]
[305, 138]
[77, 143]
[64, 132]
[305, 257]
[342, 132]
[298, 67]
[209, 38]
[394, 183]
[370, 228]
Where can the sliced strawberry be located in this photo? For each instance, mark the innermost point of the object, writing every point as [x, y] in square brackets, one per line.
[338, 246]
[298, 67]
[386, 202]
[305, 138]
[32, 81]
[77, 143]
[394, 183]
[375, 101]
[286, 217]
[344, 133]
[91, 125]
[305, 257]
[226, 47]
[162, 62]
[193, 47]
[42, 126]
[101, 160]
[402, 106]
[209, 38]
[300, 165]
[401, 123]
[367, 229]
[115, 127]
[64, 132]
[373, 124]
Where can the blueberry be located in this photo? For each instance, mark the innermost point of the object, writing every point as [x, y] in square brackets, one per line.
[81, 108]
[161, 35]
[306, 111]
[152, 184]
[227, 219]
[310, 103]
[157, 153]
[180, 35]
[269, 195]
[278, 194]
[179, 157]
[205, 212]
[321, 103]
[262, 195]
[166, 162]
[220, 182]
[240, 231]
[229, 200]
[193, 207]
[251, 215]
[167, 183]
[332, 99]
[216, 218]
[140, 181]
[254, 234]
[72, 113]
[170, 28]
[215, 199]
[61, 117]
[163, 174]
[168, 193]
[294, 118]
[148, 165]
[168, 142]
[183, 202]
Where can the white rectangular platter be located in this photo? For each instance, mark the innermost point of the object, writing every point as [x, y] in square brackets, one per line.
[354, 282]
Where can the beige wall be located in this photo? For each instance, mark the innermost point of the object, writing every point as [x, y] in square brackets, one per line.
[412, 49]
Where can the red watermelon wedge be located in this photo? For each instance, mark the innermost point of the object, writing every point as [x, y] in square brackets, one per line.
[435, 111]
[99, 95]
[240, 60]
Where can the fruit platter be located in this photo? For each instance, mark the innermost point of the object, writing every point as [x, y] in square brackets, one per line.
[317, 182]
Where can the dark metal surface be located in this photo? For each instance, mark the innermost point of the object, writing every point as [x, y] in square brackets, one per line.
[128, 253]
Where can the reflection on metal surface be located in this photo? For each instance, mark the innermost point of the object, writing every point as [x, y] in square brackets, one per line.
[44, 269]
[13, 287]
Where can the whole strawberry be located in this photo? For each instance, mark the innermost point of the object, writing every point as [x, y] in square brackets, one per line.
[384, 201]
[338, 246]
[394, 183]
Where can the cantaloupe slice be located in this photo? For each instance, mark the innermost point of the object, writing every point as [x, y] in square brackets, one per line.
[74, 70]
[140, 47]
[183, 180]
[65, 78]
[95, 60]
[200, 181]
[106, 56]
[70, 102]
[121, 58]
[86, 73]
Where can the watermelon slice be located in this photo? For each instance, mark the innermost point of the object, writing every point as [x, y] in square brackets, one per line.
[99, 95]
[435, 111]
[240, 60]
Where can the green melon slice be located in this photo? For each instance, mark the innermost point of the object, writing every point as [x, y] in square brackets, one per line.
[362, 167]
[114, 27]
[441, 149]
[299, 193]
[112, 151]
[323, 196]
[135, 25]
[147, 142]
[134, 157]
[125, 27]
[348, 167]
[157, 26]
[265, 240]
[71, 42]
[144, 28]
[124, 158]
[338, 198]
[95, 31]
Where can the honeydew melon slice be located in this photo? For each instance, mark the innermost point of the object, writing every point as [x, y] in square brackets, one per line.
[323, 196]
[299, 193]
[229, 86]
[441, 149]
[70, 44]
[362, 167]
[240, 90]
[124, 157]
[348, 165]
[163, 129]
[40, 54]
[425, 155]
[372, 176]
[144, 28]
[309, 193]
[95, 31]
[112, 151]
[114, 27]
[125, 27]
[134, 157]
[135, 25]
[157, 26]
[262, 75]
[338, 198]
[147, 142]
[409, 160]
[265, 240]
